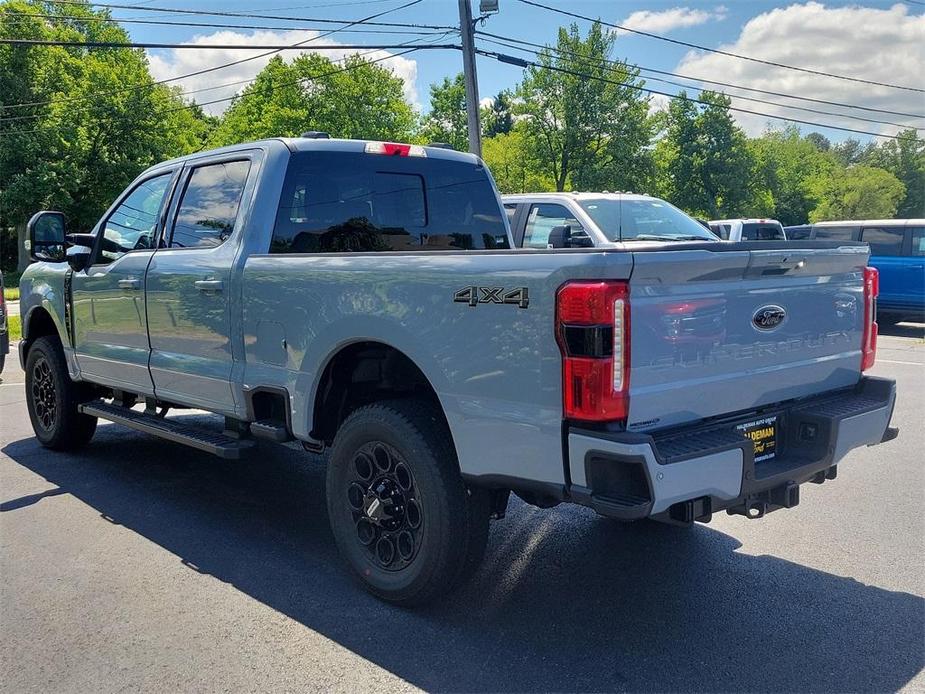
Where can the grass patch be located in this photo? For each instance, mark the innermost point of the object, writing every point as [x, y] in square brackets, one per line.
[15, 328]
[11, 285]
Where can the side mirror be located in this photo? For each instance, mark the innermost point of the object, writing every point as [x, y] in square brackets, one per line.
[559, 237]
[46, 240]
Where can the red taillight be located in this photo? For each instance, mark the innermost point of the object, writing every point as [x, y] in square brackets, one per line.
[592, 327]
[869, 341]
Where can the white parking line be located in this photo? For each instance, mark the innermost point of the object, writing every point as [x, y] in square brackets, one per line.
[890, 361]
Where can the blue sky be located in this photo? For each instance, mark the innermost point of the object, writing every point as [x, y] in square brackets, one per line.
[882, 41]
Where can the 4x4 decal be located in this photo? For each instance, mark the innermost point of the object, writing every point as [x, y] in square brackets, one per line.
[492, 295]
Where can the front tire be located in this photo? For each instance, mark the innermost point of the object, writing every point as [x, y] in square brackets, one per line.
[399, 509]
[52, 399]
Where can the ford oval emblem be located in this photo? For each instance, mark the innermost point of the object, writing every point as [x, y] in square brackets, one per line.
[769, 317]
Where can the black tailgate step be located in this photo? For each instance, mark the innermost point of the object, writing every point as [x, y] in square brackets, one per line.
[621, 506]
[211, 442]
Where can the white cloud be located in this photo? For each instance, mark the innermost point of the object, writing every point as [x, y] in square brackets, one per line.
[658, 102]
[883, 45]
[181, 61]
[663, 21]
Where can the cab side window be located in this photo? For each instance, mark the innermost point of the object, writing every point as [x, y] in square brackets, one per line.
[543, 218]
[836, 233]
[133, 224]
[918, 241]
[338, 202]
[884, 240]
[209, 205]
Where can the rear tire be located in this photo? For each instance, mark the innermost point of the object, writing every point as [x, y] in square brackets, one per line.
[52, 398]
[399, 509]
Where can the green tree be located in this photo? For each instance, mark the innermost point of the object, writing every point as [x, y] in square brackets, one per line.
[512, 164]
[583, 118]
[447, 120]
[819, 141]
[356, 99]
[498, 119]
[788, 167]
[705, 164]
[852, 151]
[905, 159]
[96, 120]
[858, 192]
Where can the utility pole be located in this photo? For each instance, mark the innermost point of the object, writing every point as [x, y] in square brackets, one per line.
[467, 32]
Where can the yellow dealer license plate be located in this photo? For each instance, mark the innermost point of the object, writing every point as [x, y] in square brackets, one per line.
[763, 433]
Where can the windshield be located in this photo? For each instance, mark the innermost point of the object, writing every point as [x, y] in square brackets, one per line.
[644, 220]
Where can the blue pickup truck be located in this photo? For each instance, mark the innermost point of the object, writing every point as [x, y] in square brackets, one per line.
[365, 299]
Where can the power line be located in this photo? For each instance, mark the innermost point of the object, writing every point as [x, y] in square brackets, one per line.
[215, 68]
[737, 96]
[251, 15]
[707, 81]
[520, 62]
[719, 51]
[204, 46]
[215, 25]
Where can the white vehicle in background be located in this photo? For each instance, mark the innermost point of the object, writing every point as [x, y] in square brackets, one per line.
[597, 220]
[748, 229]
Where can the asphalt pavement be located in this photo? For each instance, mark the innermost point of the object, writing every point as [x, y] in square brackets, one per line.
[140, 565]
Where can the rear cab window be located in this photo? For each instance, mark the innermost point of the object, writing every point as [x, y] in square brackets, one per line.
[760, 231]
[334, 202]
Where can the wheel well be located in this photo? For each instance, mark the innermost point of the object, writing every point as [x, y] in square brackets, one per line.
[362, 373]
[39, 324]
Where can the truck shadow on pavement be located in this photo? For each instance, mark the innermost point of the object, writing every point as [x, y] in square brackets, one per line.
[905, 329]
[564, 601]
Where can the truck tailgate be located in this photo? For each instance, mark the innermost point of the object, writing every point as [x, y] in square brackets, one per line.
[714, 333]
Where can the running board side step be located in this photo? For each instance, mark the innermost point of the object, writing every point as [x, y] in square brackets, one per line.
[218, 444]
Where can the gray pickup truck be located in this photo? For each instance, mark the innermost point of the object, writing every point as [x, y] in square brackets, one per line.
[366, 298]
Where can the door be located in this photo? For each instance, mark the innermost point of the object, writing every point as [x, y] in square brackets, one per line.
[886, 254]
[110, 322]
[189, 287]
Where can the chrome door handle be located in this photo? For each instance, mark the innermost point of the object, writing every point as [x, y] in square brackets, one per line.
[130, 283]
[208, 285]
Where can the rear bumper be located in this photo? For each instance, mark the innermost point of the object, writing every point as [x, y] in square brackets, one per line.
[688, 474]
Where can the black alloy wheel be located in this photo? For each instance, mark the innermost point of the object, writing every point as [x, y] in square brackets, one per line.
[383, 501]
[43, 394]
